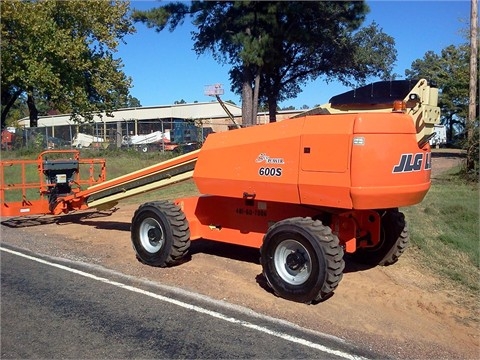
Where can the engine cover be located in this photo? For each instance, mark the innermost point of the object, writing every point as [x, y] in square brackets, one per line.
[349, 161]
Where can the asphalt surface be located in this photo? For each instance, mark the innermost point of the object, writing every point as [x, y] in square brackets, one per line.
[52, 308]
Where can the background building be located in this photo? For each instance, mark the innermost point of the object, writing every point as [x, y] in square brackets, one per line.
[182, 123]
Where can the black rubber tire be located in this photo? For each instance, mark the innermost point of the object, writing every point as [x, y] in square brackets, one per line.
[160, 233]
[302, 260]
[394, 239]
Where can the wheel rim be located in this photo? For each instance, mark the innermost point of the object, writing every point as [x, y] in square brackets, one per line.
[292, 262]
[151, 235]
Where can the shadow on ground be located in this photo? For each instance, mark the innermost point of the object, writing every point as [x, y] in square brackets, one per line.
[80, 217]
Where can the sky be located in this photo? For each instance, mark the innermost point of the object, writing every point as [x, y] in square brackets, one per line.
[164, 68]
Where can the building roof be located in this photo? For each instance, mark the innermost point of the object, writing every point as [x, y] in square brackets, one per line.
[192, 111]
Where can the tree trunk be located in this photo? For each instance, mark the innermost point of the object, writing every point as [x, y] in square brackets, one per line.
[247, 105]
[272, 109]
[450, 129]
[8, 106]
[256, 92]
[247, 98]
[32, 110]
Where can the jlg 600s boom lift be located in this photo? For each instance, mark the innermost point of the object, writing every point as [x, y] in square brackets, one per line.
[305, 190]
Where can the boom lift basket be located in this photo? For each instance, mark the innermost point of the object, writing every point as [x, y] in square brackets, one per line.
[38, 186]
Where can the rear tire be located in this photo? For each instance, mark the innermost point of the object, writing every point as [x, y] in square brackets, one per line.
[394, 239]
[302, 260]
[160, 233]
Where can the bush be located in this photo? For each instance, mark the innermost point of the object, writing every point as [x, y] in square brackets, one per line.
[471, 168]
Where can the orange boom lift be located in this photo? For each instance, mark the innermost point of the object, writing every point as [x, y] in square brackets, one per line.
[305, 191]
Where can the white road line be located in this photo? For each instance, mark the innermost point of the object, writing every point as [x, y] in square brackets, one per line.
[188, 306]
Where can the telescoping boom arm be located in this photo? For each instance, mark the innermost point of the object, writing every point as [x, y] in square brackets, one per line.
[58, 187]
[147, 179]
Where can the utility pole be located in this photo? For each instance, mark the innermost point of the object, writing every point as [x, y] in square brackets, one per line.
[472, 104]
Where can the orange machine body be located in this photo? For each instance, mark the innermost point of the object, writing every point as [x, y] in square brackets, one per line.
[338, 168]
[306, 190]
[347, 161]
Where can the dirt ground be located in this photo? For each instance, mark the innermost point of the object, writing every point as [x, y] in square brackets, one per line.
[401, 311]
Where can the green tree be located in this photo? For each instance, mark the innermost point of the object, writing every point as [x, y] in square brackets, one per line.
[132, 102]
[276, 46]
[61, 53]
[450, 71]
[20, 109]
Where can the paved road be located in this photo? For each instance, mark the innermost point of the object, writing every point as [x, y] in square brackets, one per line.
[57, 309]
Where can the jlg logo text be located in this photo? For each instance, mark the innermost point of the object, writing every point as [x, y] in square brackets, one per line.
[413, 162]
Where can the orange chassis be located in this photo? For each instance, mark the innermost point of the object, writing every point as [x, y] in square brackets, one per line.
[245, 222]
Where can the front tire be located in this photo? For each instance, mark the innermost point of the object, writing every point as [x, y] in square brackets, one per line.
[160, 233]
[302, 260]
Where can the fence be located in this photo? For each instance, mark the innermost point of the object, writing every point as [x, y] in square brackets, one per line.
[101, 135]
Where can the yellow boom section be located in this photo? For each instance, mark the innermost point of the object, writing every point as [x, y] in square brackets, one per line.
[153, 177]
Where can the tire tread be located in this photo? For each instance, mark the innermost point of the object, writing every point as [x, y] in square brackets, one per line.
[333, 252]
[179, 227]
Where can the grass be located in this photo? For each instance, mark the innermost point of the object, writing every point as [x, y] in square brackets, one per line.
[14, 174]
[444, 228]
